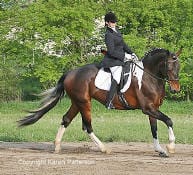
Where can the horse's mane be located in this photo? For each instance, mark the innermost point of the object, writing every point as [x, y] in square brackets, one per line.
[154, 51]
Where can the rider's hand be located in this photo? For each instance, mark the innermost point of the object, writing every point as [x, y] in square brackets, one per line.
[134, 57]
[128, 57]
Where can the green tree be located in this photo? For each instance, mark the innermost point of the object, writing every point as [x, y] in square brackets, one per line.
[42, 39]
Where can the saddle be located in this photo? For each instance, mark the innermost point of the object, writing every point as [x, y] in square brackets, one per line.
[125, 74]
[124, 79]
[104, 77]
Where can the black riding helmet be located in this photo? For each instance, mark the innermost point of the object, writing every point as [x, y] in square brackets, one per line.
[110, 17]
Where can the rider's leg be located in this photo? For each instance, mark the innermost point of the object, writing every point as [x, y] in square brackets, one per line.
[116, 75]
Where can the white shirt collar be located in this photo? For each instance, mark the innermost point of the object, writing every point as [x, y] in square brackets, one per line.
[114, 29]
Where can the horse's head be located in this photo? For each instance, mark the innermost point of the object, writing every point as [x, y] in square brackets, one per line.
[164, 65]
[173, 67]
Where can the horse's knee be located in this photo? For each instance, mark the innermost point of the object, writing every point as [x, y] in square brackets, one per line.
[169, 123]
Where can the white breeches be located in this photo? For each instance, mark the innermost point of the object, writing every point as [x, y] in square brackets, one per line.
[116, 73]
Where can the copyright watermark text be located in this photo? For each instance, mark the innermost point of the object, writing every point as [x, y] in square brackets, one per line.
[60, 162]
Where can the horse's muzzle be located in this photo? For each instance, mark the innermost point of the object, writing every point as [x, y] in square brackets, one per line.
[174, 86]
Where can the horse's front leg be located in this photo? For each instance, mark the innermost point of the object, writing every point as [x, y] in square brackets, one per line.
[171, 146]
[157, 146]
[154, 113]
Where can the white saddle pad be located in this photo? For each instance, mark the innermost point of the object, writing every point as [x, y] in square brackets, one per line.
[103, 79]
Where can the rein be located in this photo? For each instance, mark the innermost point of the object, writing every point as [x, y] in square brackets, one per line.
[154, 76]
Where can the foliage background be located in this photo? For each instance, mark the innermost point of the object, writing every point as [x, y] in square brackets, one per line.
[42, 39]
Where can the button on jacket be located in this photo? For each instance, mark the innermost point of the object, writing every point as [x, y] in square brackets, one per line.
[116, 49]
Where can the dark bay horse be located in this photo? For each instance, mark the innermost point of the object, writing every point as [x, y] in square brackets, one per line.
[160, 66]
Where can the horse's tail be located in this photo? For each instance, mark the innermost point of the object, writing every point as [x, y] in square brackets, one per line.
[50, 99]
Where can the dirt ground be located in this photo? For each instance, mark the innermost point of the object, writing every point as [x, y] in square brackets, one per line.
[84, 158]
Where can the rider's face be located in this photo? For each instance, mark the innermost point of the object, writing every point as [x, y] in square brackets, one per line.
[111, 24]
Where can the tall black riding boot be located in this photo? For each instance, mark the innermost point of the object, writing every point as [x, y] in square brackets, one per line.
[111, 94]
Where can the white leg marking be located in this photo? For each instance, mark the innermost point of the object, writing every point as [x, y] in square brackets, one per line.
[171, 145]
[157, 146]
[58, 139]
[171, 135]
[98, 143]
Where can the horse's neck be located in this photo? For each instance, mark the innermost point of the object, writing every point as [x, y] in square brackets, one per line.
[152, 64]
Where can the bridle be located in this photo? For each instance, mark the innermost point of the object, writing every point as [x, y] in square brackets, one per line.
[166, 68]
[157, 77]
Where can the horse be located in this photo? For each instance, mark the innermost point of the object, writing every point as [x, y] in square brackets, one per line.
[160, 67]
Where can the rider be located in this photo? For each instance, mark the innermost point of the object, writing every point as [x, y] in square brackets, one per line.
[117, 53]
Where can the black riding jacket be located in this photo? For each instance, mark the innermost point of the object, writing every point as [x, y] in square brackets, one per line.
[116, 49]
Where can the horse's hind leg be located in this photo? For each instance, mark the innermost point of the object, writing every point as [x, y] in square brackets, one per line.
[84, 126]
[67, 118]
[85, 110]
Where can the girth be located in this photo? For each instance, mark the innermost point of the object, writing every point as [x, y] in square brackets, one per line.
[124, 102]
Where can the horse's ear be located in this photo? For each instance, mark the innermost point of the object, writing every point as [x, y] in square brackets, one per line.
[179, 51]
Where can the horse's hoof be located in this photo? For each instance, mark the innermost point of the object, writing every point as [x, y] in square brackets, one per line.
[106, 151]
[56, 151]
[162, 154]
[171, 148]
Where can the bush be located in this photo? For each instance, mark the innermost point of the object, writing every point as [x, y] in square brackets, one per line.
[30, 87]
[9, 84]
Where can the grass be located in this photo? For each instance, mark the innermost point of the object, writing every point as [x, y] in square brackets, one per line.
[108, 125]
